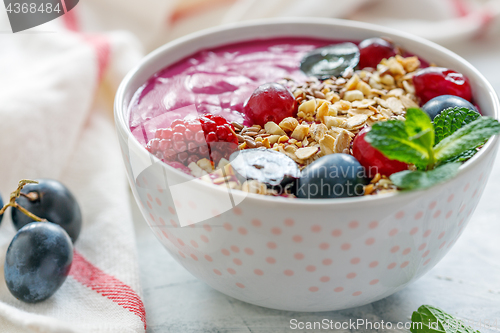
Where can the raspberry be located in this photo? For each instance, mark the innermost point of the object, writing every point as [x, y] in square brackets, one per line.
[270, 102]
[436, 81]
[373, 50]
[188, 141]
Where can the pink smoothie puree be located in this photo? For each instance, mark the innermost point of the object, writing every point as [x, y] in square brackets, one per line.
[216, 81]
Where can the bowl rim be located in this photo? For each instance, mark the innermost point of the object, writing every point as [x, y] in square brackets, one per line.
[120, 110]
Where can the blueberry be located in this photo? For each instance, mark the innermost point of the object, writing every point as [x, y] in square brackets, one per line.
[51, 200]
[440, 103]
[332, 176]
[331, 60]
[270, 167]
[37, 261]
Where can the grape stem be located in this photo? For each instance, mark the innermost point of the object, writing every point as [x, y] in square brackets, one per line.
[14, 195]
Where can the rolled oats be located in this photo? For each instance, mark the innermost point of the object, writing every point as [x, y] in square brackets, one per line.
[305, 153]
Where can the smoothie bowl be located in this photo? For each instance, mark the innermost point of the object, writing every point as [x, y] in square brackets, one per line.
[245, 198]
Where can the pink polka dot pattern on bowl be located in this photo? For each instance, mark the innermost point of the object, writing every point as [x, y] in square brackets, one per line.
[324, 279]
[345, 246]
[370, 241]
[315, 228]
[336, 233]
[248, 251]
[353, 224]
[313, 289]
[311, 268]
[256, 223]
[289, 222]
[271, 245]
[288, 272]
[258, 272]
[338, 289]
[373, 264]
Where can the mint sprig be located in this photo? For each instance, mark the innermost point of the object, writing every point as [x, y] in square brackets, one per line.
[429, 319]
[467, 137]
[452, 119]
[413, 142]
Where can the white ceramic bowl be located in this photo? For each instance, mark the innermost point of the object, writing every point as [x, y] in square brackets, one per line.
[301, 255]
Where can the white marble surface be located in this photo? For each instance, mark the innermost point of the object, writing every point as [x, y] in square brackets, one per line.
[465, 283]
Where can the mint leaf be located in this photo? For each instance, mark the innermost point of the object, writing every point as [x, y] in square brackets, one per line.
[466, 155]
[467, 137]
[413, 180]
[392, 139]
[451, 119]
[429, 319]
[419, 127]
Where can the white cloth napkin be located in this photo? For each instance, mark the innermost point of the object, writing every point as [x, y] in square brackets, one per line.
[55, 122]
[56, 88]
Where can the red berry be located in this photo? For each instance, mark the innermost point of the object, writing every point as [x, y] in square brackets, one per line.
[211, 137]
[270, 102]
[432, 82]
[188, 141]
[373, 160]
[373, 50]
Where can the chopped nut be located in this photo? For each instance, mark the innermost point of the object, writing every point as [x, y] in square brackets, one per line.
[274, 129]
[395, 67]
[356, 121]
[332, 97]
[369, 189]
[318, 131]
[388, 80]
[305, 153]
[266, 143]
[353, 82]
[322, 111]
[196, 170]
[334, 121]
[300, 132]
[410, 64]
[254, 186]
[342, 142]
[283, 138]
[205, 164]
[273, 139]
[288, 124]
[308, 107]
[326, 144]
[353, 95]
[364, 88]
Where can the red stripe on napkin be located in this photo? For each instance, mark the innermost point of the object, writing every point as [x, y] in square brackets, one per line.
[107, 285]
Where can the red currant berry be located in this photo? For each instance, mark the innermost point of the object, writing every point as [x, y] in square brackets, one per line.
[166, 133]
[178, 136]
[373, 50]
[222, 132]
[270, 102]
[177, 122]
[211, 137]
[431, 82]
[373, 160]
